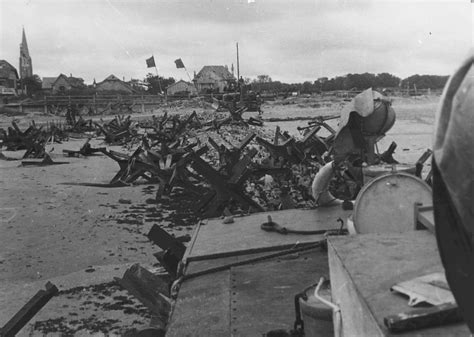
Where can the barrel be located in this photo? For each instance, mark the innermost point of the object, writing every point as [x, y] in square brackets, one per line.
[387, 203]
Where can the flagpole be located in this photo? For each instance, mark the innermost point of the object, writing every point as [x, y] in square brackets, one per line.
[158, 78]
[188, 74]
[190, 80]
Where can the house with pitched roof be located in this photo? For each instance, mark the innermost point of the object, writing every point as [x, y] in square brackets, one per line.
[181, 88]
[61, 84]
[8, 78]
[47, 84]
[214, 79]
[113, 84]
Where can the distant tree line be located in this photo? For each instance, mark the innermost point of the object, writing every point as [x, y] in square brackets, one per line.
[425, 81]
[264, 83]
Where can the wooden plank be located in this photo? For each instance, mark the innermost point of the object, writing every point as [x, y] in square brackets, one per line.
[364, 267]
[425, 216]
[217, 238]
[165, 241]
[28, 311]
[151, 290]
[424, 317]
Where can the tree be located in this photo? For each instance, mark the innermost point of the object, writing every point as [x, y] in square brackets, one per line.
[307, 88]
[264, 83]
[386, 80]
[32, 84]
[154, 83]
[359, 81]
[319, 84]
[263, 79]
[426, 81]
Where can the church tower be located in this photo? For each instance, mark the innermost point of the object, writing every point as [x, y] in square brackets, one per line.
[26, 67]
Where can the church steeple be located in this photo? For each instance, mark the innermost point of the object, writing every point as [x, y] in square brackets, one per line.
[24, 45]
[26, 66]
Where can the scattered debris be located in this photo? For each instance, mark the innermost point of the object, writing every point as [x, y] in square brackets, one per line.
[46, 161]
[173, 249]
[85, 150]
[150, 289]
[118, 131]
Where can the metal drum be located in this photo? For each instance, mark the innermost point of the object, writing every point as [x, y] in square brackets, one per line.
[386, 204]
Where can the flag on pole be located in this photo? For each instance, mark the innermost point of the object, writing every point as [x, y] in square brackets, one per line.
[179, 63]
[150, 63]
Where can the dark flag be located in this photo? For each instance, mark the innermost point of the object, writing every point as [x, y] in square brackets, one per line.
[150, 63]
[179, 63]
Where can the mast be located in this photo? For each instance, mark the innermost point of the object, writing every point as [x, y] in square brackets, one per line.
[238, 70]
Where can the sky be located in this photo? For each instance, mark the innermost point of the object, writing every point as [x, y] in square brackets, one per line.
[289, 40]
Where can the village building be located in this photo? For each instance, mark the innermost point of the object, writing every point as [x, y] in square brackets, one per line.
[8, 78]
[181, 88]
[137, 85]
[26, 65]
[115, 85]
[47, 84]
[214, 79]
[61, 84]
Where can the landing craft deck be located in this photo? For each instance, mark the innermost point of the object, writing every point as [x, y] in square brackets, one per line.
[250, 299]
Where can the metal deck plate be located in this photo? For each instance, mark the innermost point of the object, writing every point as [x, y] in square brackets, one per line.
[215, 237]
[202, 308]
[262, 295]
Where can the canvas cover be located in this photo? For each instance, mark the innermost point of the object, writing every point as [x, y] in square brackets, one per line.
[453, 186]
[364, 104]
[454, 141]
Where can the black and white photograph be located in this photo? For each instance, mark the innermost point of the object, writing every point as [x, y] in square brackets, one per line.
[208, 168]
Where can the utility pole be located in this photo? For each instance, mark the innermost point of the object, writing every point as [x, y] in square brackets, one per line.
[238, 69]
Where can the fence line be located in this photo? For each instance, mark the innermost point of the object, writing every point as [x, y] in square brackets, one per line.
[99, 103]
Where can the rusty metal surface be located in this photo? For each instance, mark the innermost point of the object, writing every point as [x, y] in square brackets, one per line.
[262, 295]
